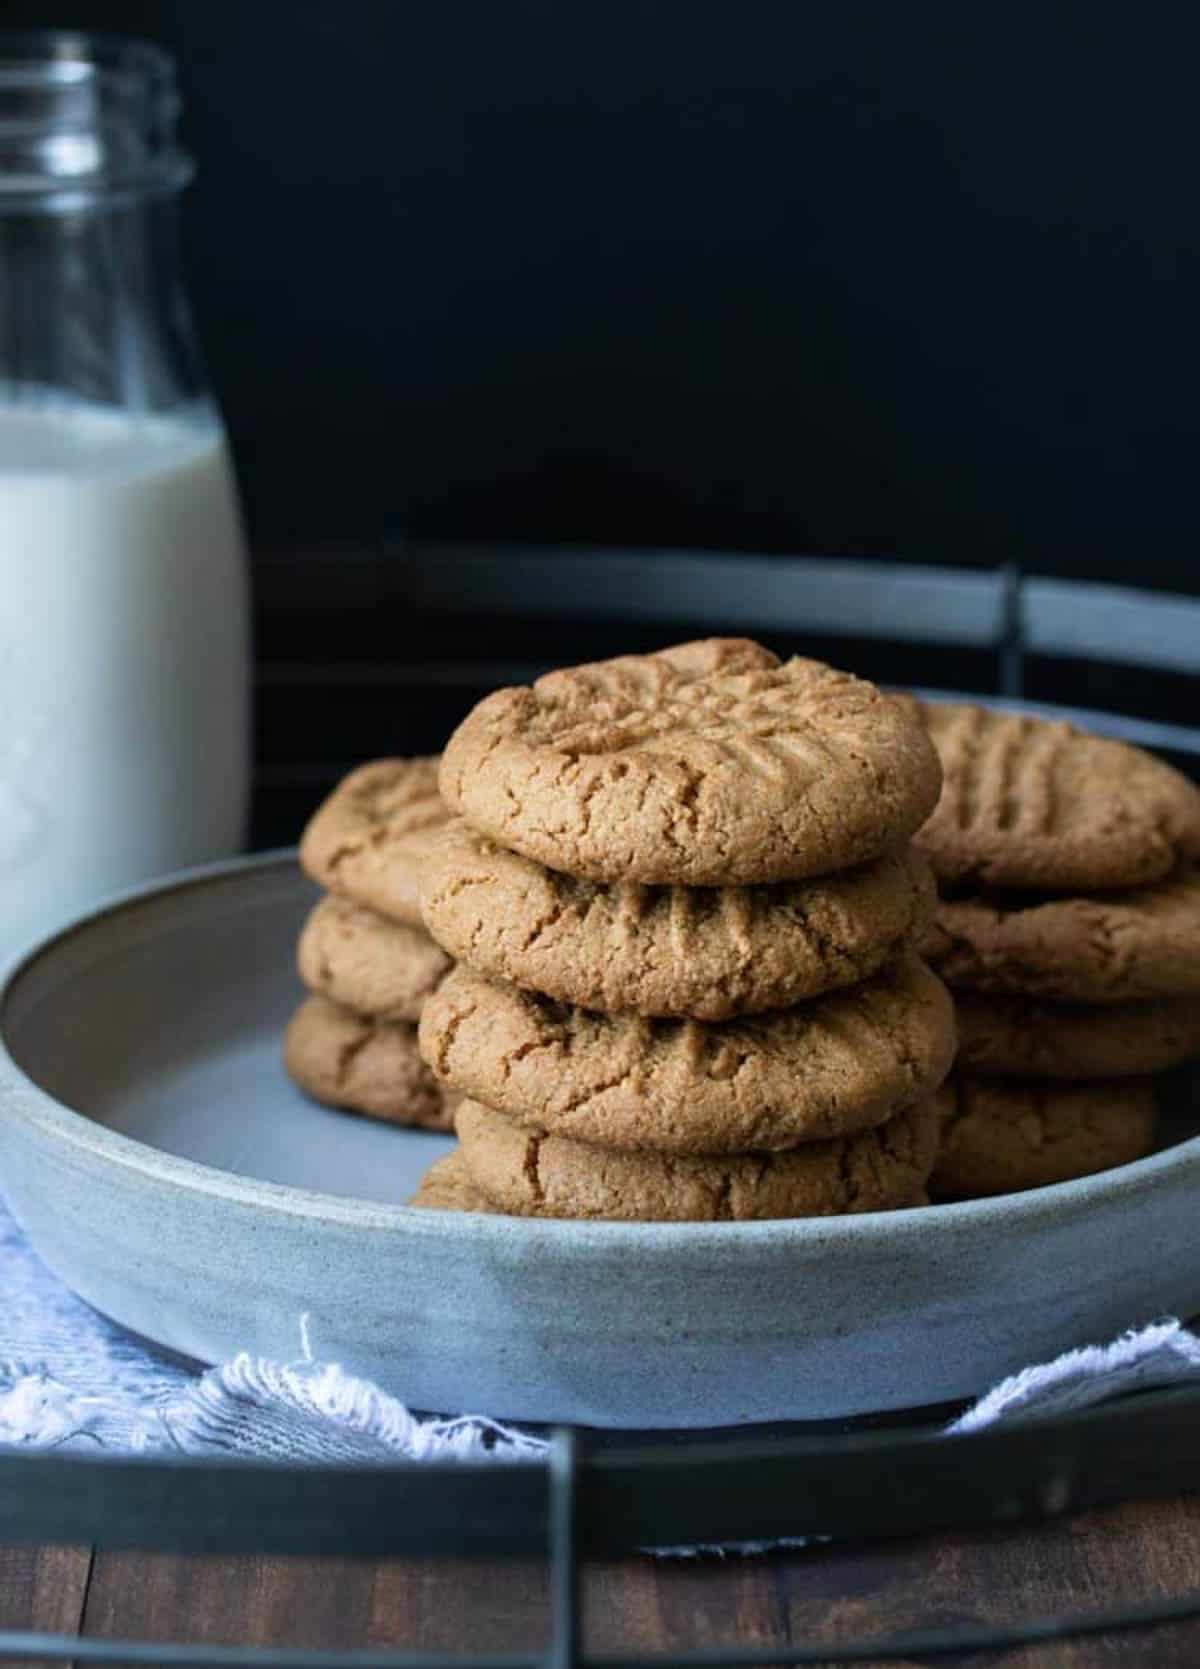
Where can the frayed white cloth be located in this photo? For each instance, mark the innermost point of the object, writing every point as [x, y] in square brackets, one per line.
[71, 1380]
[317, 1413]
[1163, 1354]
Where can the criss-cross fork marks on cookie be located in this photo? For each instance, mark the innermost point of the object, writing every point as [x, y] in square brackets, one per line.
[1035, 804]
[755, 718]
[707, 766]
[999, 771]
[846, 1062]
[702, 952]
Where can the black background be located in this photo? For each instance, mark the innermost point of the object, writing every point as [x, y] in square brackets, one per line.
[884, 279]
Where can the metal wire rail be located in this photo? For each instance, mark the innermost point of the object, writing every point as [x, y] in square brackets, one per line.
[466, 618]
[564, 1649]
[579, 1503]
[703, 1491]
[1006, 610]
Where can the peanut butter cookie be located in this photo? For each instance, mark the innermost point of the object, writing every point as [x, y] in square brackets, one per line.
[1117, 947]
[368, 962]
[1020, 1037]
[365, 1066]
[841, 1063]
[703, 952]
[367, 840]
[535, 1175]
[1000, 1138]
[448, 1186]
[1036, 804]
[709, 764]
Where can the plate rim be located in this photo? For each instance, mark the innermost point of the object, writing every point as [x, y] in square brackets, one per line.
[40, 1112]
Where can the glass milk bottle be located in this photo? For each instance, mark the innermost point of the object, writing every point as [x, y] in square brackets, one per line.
[124, 665]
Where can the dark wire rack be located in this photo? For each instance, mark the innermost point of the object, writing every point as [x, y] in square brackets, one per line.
[383, 652]
[576, 1505]
[465, 619]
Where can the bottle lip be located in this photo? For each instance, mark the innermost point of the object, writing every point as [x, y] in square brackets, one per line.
[86, 118]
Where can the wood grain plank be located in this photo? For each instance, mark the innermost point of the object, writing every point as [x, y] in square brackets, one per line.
[660, 1605]
[456, 1605]
[1099, 1561]
[446, 1604]
[43, 1588]
[229, 1601]
[822, 1594]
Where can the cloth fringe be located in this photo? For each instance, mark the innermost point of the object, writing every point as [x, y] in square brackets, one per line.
[71, 1380]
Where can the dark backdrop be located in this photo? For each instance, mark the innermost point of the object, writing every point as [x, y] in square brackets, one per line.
[895, 279]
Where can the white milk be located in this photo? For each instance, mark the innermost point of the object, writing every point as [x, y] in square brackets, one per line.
[123, 656]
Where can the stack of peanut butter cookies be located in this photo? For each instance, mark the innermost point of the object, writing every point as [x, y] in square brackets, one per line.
[682, 900]
[364, 954]
[1069, 929]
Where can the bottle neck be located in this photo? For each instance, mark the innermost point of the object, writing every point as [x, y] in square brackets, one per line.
[86, 121]
[92, 303]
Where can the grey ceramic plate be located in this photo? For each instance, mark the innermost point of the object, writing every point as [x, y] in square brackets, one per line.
[163, 1165]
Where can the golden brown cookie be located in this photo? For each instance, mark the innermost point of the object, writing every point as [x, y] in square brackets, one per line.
[1117, 947]
[999, 1138]
[367, 840]
[841, 1063]
[367, 962]
[449, 1186]
[1020, 1037]
[534, 1175]
[1036, 804]
[365, 1066]
[709, 764]
[704, 952]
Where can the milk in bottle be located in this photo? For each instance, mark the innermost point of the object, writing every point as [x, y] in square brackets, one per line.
[122, 654]
[124, 666]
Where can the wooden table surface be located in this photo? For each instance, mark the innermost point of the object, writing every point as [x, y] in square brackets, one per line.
[1135, 1552]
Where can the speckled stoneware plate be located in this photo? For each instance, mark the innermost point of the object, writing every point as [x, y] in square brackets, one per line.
[167, 1170]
